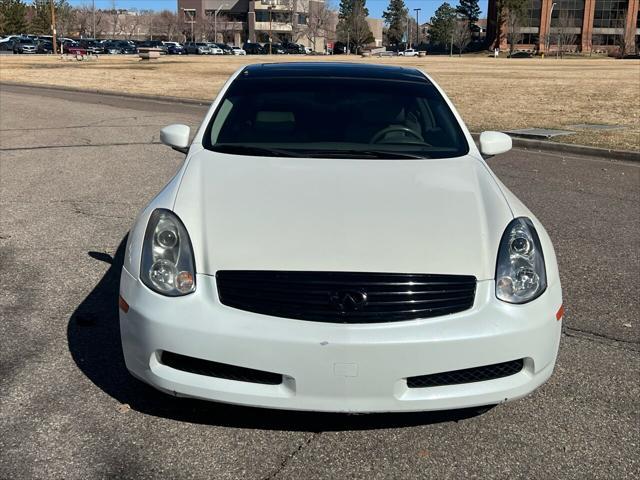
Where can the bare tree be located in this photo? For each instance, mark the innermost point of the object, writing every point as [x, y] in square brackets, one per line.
[461, 35]
[319, 21]
[565, 32]
[83, 20]
[166, 24]
[130, 23]
[514, 21]
[114, 18]
[621, 39]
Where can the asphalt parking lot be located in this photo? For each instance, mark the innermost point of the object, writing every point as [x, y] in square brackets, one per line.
[74, 171]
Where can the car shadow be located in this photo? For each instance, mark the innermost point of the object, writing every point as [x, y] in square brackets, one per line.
[93, 335]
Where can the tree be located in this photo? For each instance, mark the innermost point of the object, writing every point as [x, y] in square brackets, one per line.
[12, 17]
[565, 32]
[461, 35]
[442, 24]
[353, 28]
[621, 38]
[319, 18]
[512, 12]
[41, 19]
[513, 21]
[468, 10]
[166, 24]
[396, 19]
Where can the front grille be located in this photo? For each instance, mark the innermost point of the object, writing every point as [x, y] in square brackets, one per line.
[219, 370]
[345, 297]
[467, 375]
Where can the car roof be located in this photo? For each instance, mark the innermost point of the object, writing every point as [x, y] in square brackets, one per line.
[334, 69]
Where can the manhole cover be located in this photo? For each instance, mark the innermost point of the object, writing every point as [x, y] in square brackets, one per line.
[595, 126]
[538, 132]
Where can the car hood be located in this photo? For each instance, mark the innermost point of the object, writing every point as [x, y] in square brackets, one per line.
[272, 213]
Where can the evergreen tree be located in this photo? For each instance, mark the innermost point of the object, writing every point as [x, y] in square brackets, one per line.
[468, 10]
[396, 18]
[442, 24]
[41, 19]
[12, 17]
[353, 28]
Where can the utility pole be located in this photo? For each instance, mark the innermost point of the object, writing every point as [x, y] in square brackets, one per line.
[53, 28]
[215, 22]
[93, 13]
[417, 10]
[451, 45]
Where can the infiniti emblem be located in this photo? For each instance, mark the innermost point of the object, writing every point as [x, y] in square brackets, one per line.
[348, 301]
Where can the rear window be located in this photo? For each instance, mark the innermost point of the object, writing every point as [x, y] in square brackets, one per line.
[335, 117]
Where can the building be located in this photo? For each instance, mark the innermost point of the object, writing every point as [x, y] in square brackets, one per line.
[570, 25]
[376, 26]
[308, 22]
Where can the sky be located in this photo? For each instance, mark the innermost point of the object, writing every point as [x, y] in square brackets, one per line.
[376, 7]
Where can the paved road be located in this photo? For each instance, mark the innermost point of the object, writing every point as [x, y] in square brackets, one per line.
[74, 171]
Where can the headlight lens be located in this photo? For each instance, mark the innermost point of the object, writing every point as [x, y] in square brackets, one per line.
[167, 265]
[520, 272]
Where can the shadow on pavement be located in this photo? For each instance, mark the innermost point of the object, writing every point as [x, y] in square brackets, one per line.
[93, 334]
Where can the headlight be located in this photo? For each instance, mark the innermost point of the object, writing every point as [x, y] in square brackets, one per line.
[167, 265]
[520, 272]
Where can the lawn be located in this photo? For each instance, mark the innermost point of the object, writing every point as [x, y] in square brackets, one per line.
[489, 93]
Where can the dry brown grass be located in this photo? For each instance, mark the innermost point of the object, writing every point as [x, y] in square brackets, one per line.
[489, 93]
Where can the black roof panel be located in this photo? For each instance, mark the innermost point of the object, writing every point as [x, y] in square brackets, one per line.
[333, 69]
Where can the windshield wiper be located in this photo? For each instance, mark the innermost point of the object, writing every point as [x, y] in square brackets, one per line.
[381, 154]
[251, 150]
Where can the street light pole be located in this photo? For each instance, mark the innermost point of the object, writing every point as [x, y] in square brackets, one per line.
[550, 15]
[191, 16]
[270, 8]
[53, 28]
[417, 10]
[215, 22]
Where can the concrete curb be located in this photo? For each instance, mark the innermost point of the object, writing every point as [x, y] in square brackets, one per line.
[136, 96]
[570, 149]
[523, 143]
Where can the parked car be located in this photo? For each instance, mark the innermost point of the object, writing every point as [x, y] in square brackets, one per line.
[24, 45]
[119, 47]
[253, 49]
[225, 48]
[214, 49]
[350, 301]
[292, 48]
[176, 49]
[75, 49]
[409, 52]
[7, 46]
[276, 49]
[44, 46]
[155, 44]
[197, 48]
[238, 51]
[91, 46]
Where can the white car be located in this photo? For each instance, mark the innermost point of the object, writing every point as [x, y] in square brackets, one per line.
[410, 52]
[238, 51]
[375, 267]
[215, 50]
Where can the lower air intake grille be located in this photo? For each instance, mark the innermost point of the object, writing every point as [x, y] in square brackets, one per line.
[346, 297]
[219, 370]
[468, 375]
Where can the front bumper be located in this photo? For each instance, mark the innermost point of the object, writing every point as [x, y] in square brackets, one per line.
[337, 367]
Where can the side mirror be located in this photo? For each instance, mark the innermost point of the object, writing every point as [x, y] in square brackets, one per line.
[176, 136]
[494, 143]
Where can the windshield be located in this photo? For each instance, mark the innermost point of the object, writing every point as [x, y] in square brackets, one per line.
[335, 118]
